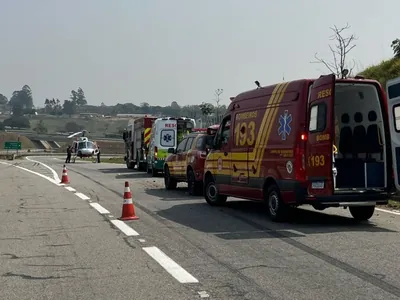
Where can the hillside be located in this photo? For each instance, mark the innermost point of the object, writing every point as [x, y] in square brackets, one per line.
[11, 137]
[96, 126]
[384, 71]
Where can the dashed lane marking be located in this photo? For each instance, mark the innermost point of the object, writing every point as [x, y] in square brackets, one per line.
[71, 189]
[170, 266]
[129, 231]
[99, 208]
[82, 196]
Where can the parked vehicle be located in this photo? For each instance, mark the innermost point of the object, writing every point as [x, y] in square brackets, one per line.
[186, 162]
[324, 142]
[137, 139]
[166, 133]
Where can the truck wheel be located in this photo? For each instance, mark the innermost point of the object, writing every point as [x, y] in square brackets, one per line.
[169, 182]
[194, 187]
[277, 209]
[362, 213]
[211, 193]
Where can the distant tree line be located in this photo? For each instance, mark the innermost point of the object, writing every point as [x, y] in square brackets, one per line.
[21, 107]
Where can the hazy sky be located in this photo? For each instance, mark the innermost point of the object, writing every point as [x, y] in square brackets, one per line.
[158, 51]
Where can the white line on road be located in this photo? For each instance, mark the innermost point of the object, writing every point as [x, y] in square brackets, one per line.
[71, 189]
[33, 172]
[142, 240]
[82, 196]
[55, 176]
[129, 231]
[99, 208]
[170, 266]
[393, 212]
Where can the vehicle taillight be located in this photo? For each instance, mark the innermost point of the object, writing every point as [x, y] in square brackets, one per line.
[300, 159]
[155, 153]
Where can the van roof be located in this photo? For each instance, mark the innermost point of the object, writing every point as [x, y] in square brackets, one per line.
[294, 86]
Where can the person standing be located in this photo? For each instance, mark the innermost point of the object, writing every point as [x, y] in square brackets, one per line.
[69, 152]
[98, 154]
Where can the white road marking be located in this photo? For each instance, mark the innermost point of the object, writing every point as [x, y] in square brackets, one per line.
[129, 231]
[71, 189]
[111, 216]
[82, 196]
[55, 175]
[203, 294]
[170, 266]
[33, 172]
[142, 240]
[393, 212]
[99, 208]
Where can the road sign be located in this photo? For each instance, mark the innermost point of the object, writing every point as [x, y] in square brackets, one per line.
[12, 145]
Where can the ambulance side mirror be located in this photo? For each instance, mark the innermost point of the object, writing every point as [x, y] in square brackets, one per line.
[171, 150]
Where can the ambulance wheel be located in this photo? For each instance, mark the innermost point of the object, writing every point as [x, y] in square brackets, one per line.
[194, 187]
[277, 209]
[169, 182]
[211, 193]
[362, 213]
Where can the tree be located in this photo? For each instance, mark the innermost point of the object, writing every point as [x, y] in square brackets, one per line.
[40, 127]
[206, 109]
[17, 122]
[72, 127]
[69, 107]
[396, 48]
[21, 101]
[53, 106]
[80, 98]
[339, 52]
[3, 99]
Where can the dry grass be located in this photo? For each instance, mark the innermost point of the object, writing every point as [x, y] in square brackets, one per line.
[13, 137]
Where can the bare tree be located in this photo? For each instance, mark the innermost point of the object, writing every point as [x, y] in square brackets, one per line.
[218, 93]
[344, 44]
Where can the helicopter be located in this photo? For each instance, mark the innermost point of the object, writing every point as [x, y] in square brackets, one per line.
[82, 146]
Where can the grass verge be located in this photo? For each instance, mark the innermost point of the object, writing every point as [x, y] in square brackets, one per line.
[394, 204]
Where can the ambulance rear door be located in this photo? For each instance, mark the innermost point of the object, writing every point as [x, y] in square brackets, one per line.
[393, 98]
[319, 145]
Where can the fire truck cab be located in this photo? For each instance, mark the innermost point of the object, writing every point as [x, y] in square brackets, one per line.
[324, 142]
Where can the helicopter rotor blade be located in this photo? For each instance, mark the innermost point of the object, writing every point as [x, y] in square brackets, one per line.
[74, 134]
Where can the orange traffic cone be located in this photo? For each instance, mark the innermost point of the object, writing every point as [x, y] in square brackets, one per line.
[128, 210]
[64, 178]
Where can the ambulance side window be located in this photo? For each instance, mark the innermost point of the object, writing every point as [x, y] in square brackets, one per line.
[317, 118]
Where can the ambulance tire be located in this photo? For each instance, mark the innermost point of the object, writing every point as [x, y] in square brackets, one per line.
[211, 193]
[277, 209]
[362, 213]
[194, 187]
[169, 182]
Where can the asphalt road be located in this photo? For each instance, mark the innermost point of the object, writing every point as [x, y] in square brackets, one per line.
[233, 252]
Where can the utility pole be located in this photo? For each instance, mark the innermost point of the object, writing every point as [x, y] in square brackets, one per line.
[218, 92]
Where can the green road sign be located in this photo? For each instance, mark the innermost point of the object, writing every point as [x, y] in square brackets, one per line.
[12, 145]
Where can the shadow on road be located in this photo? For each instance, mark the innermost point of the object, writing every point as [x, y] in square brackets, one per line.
[181, 193]
[248, 220]
[123, 173]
